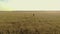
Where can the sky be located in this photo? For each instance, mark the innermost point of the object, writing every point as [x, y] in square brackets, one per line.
[8, 5]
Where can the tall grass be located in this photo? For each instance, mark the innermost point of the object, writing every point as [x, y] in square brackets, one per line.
[29, 23]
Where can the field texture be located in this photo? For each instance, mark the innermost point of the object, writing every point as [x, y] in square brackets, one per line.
[30, 22]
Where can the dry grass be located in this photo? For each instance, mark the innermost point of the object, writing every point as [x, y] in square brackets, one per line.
[29, 22]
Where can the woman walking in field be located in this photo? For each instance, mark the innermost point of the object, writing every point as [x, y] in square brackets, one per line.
[33, 14]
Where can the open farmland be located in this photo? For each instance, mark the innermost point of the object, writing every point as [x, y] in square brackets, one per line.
[29, 22]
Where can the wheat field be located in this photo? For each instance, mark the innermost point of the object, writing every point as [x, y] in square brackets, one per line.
[29, 22]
